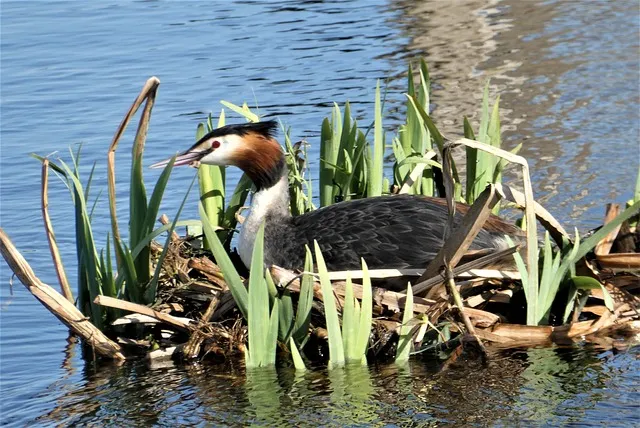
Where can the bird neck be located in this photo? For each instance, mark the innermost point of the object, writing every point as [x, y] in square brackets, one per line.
[262, 159]
[271, 202]
[268, 205]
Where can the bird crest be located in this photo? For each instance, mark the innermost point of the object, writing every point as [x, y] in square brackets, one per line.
[266, 129]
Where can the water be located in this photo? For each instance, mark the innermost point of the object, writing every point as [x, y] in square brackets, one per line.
[567, 73]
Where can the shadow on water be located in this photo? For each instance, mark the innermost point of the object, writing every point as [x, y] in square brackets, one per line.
[525, 386]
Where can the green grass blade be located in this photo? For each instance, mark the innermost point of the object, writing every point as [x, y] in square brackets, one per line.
[484, 115]
[144, 242]
[349, 330]
[94, 205]
[89, 285]
[298, 363]
[305, 300]
[404, 342]
[237, 200]
[156, 198]
[271, 286]
[546, 278]
[221, 120]
[137, 202]
[336, 349]
[272, 335]
[127, 270]
[530, 290]
[472, 160]
[286, 317]
[52, 164]
[589, 283]
[435, 133]
[326, 165]
[573, 293]
[242, 111]
[285, 311]
[482, 158]
[377, 169]
[87, 187]
[138, 215]
[327, 168]
[366, 314]
[201, 131]
[560, 270]
[212, 192]
[258, 309]
[422, 143]
[233, 280]
[494, 172]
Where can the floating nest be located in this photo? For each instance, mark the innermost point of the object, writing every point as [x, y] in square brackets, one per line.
[193, 288]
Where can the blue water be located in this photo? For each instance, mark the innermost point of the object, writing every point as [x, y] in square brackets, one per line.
[567, 73]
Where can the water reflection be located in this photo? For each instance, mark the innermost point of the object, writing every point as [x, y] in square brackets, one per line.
[562, 87]
[530, 386]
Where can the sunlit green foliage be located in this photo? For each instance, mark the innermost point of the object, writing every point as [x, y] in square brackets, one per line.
[414, 139]
[343, 147]
[262, 321]
[404, 342]
[349, 343]
[131, 277]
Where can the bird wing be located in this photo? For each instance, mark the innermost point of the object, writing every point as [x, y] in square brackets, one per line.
[400, 231]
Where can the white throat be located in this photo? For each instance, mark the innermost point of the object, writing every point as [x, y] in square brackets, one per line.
[270, 204]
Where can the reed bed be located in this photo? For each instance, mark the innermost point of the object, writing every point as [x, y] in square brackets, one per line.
[190, 296]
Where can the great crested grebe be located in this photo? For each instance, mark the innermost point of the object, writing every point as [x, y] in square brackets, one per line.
[395, 231]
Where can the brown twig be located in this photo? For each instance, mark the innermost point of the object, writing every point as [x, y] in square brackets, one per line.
[453, 291]
[460, 240]
[57, 304]
[192, 347]
[421, 287]
[134, 307]
[51, 237]
[164, 220]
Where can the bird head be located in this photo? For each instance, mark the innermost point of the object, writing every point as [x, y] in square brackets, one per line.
[250, 146]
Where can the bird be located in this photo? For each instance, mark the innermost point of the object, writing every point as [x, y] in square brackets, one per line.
[389, 231]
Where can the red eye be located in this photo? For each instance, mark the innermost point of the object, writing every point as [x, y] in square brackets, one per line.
[215, 144]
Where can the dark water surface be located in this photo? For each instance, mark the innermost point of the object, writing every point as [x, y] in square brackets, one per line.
[567, 73]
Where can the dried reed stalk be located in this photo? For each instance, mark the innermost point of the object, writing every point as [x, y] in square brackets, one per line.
[148, 92]
[164, 220]
[57, 304]
[453, 291]
[604, 246]
[530, 215]
[144, 310]
[471, 266]
[194, 344]
[460, 240]
[545, 218]
[51, 237]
